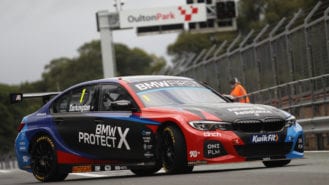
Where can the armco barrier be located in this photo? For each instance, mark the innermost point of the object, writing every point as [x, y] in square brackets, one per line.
[8, 165]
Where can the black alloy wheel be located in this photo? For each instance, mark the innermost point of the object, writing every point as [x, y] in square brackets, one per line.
[174, 151]
[44, 160]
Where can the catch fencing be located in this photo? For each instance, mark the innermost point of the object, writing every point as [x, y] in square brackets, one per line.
[285, 65]
[295, 48]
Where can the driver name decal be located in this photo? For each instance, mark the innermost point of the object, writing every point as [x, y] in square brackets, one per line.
[106, 136]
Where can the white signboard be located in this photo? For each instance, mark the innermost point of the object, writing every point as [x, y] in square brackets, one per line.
[163, 16]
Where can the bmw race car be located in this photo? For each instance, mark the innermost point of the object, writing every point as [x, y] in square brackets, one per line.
[144, 123]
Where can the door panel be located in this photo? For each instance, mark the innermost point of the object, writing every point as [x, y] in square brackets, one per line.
[112, 136]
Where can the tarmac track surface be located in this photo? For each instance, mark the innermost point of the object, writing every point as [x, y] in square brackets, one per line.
[314, 169]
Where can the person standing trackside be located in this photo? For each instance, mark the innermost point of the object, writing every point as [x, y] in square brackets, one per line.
[238, 92]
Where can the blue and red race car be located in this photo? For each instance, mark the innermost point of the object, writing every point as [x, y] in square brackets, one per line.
[144, 123]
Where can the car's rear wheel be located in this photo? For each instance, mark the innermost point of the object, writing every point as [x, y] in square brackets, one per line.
[174, 151]
[279, 163]
[44, 160]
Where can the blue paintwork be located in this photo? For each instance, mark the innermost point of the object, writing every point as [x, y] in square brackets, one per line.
[292, 135]
[22, 146]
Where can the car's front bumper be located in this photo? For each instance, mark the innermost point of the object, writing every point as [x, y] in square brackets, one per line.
[208, 147]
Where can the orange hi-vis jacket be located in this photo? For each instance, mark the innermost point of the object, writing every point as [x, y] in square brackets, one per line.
[239, 93]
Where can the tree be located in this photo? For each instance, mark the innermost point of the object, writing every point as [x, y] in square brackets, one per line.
[6, 130]
[63, 72]
[250, 12]
[157, 64]
[276, 9]
[255, 14]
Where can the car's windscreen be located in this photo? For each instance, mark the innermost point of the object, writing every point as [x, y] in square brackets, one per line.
[174, 92]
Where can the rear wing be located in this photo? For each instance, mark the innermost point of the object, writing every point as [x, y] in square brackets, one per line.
[19, 97]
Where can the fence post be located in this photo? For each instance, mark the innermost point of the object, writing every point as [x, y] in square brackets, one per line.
[325, 88]
[256, 56]
[220, 48]
[289, 50]
[228, 53]
[244, 41]
[307, 43]
[176, 68]
[326, 18]
[273, 54]
[205, 61]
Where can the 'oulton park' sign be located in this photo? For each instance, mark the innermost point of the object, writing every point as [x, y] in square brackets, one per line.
[163, 16]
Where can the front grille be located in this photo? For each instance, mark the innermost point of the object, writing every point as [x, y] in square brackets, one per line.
[255, 126]
[259, 151]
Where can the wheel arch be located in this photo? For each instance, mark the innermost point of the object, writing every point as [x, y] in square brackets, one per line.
[37, 134]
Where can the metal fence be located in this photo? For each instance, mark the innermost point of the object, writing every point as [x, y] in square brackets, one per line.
[285, 65]
[295, 48]
[303, 98]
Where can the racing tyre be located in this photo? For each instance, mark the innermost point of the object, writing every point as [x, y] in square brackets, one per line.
[174, 151]
[279, 163]
[44, 160]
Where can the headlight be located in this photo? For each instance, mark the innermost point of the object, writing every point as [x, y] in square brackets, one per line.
[210, 125]
[291, 121]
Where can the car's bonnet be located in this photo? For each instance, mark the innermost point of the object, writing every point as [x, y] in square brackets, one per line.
[234, 111]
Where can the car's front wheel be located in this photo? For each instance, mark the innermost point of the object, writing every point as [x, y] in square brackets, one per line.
[44, 160]
[174, 151]
[278, 163]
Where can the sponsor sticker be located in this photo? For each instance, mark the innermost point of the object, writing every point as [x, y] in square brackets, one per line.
[254, 110]
[97, 168]
[26, 158]
[213, 149]
[146, 133]
[158, 84]
[120, 168]
[212, 134]
[148, 154]
[194, 154]
[79, 169]
[264, 138]
[107, 168]
[106, 136]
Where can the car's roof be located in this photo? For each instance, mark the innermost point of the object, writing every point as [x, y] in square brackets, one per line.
[137, 78]
[141, 78]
